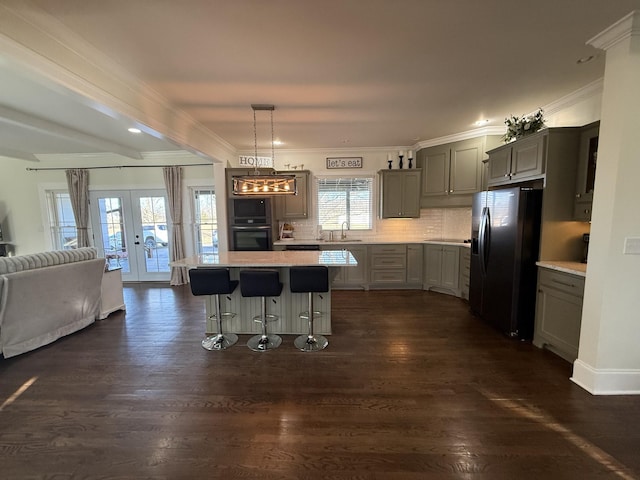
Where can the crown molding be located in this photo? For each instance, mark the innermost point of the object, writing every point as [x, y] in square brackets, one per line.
[623, 29]
[456, 137]
[590, 90]
[34, 40]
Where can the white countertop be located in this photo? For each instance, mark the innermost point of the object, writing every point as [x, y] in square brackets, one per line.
[339, 243]
[455, 243]
[575, 268]
[328, 258]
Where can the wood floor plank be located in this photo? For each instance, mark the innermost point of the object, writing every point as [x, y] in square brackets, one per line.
[412, 386]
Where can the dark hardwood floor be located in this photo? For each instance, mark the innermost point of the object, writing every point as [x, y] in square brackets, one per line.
[411, 387]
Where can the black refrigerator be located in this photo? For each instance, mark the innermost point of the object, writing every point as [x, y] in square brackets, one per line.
[505, 240]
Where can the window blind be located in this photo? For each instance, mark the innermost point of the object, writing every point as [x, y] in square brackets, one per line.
[345, 199]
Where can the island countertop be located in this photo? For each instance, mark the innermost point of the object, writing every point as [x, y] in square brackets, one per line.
[270, 258]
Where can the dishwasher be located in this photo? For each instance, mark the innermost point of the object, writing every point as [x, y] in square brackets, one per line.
[310, 246]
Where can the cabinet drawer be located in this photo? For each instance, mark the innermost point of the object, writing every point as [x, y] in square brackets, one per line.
[565, 282]
[389, 261]
[388, 276]
[385, 249]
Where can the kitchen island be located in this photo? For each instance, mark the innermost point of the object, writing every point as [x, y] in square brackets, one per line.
[288, 305]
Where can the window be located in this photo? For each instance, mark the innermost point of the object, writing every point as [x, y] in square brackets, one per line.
[345, 200]
[205, 222]
[61, 220]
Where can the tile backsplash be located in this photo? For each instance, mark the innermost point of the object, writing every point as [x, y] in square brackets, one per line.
[433, 224]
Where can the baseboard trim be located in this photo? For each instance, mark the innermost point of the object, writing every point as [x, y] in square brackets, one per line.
[606, 381]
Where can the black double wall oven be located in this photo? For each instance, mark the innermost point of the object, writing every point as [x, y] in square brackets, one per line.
[251, 223]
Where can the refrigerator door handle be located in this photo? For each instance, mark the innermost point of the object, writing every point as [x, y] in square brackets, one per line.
[484, 238]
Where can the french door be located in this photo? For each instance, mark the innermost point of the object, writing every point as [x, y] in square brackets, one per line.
[131, 229]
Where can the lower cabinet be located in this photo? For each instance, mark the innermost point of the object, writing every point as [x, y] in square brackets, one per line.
[442, 268]
[388, 266]
[559, 312]
[415, 254]
[352, 277]
[465, 269]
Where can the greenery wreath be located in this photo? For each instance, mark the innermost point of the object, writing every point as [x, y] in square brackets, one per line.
[518, 127]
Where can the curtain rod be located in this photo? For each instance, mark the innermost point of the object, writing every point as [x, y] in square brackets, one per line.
[123, 166]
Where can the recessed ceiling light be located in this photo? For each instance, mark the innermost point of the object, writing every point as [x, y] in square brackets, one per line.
[586, 59]
[134, 130]
[481, 123]
[278, 142]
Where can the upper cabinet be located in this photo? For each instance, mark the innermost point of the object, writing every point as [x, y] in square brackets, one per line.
[452, 172]
[528, 158]
[399, 193]
[517, 161]
[586, 177]
[290, 207]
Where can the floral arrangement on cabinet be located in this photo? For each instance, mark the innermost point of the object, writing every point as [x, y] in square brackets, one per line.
[518, 127]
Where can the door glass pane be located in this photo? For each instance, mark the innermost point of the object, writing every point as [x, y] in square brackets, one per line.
[206, 221]
[112, 230]
[155, 233]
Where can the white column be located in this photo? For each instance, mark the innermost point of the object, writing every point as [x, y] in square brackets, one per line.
[609, 355]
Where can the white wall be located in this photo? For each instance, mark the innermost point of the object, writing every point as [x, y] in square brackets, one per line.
[22, 207]
[609, 358]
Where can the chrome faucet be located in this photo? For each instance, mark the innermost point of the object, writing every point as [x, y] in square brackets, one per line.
[343, 235]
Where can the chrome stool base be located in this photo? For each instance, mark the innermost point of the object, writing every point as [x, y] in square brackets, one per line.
[262, 343]
[311, 343]
[219, 341]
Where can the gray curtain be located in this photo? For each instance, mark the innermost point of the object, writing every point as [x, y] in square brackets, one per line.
[173, 184]
[78, 184]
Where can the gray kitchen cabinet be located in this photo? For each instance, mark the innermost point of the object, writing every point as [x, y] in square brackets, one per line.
[388, 266]
[528, 158]
[453, 172]
[414, 264]
[452, 169]
[518, 161]
[442, 268]
[291, 207]
[399, 193]
[465, 268]
[586, 176]
[559, 312]
[351, 277]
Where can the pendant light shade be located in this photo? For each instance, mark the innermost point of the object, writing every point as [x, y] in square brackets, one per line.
[268, 184]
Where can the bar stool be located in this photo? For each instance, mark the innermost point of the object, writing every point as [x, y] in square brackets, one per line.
[263, 284]
[214, 281]
[309, 280]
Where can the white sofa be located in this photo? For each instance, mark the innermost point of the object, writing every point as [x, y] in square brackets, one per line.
[45, 296]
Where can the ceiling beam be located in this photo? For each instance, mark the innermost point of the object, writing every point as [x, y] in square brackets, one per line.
[8, 152]
[17, 118]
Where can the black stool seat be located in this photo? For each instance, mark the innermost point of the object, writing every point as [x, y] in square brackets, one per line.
[211, 281]
[216, 282]
[263, 284]
[309, 280]
[260, 283]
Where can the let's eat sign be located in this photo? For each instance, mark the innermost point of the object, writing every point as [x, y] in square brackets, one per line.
[344, 162]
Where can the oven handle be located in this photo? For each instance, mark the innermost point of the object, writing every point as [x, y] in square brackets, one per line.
[257, 227]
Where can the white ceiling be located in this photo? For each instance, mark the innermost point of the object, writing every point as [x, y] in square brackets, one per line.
[341, 73]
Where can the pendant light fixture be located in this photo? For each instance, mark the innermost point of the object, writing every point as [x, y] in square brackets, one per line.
[267, 184]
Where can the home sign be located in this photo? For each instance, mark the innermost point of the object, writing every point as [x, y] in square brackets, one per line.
[256, 162]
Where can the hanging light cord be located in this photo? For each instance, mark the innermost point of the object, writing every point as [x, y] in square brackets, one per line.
[255, 144]
[273, 152]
